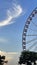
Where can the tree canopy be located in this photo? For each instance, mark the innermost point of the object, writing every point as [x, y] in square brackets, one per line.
[2, 60]
[27, 56]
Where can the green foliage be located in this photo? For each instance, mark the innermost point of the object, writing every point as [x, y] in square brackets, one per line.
[2, 60]
[27, 56]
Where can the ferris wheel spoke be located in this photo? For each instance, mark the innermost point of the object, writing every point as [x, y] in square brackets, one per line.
[34, 24]
[34, 44]
[32, 35]
[31, 40]
[35, 48]
[32, 30]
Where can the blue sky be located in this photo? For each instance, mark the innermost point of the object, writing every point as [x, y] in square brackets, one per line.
[13, 15]
[11, 30]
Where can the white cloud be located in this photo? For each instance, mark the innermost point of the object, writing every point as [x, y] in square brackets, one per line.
[12, 13]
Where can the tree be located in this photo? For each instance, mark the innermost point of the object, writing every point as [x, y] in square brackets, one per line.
[2, 60]
[28, 57]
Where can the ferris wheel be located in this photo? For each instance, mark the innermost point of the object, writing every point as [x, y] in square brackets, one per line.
[29, 36]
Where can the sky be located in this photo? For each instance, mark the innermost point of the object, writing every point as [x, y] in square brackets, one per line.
[13, 15]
